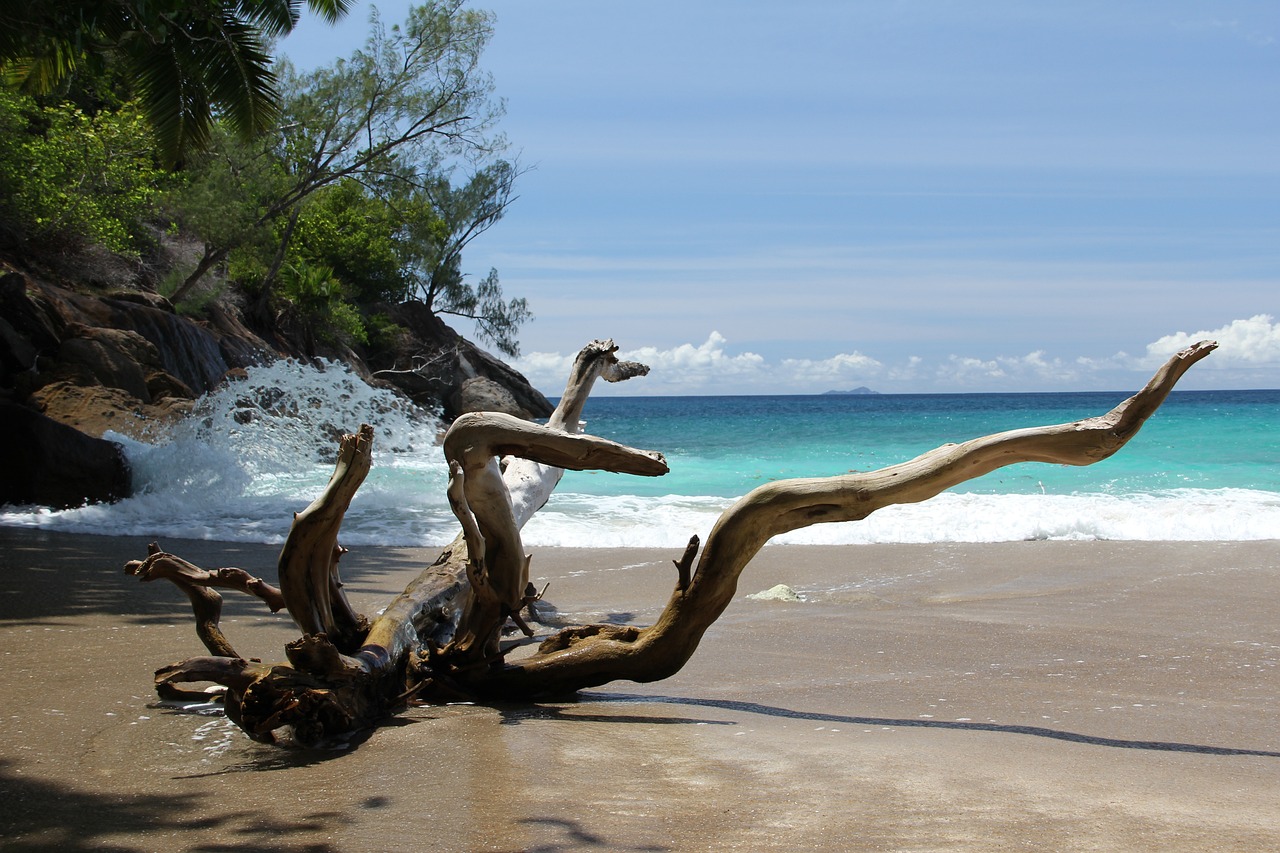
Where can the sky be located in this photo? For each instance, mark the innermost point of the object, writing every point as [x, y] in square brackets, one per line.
[913, 196]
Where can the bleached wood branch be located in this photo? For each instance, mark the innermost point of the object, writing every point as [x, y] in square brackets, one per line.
[575, 661]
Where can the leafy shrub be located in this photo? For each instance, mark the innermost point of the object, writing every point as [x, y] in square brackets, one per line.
[68, 178]
[319, 304]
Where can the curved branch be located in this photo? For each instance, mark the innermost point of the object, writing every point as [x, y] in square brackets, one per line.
[473, 446]
[432, 608]
[328, 687]
[308, 563]
[206, 603]
[565, 664]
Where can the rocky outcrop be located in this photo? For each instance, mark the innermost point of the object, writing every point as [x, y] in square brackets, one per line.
[51, 464]
[75, 365]
[435, 366]
[126, 362]
[121, 361]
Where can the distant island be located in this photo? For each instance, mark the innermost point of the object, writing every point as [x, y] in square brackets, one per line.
[860, 390]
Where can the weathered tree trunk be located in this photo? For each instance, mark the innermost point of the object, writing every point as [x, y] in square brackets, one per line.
[440, 638]
[577, 658]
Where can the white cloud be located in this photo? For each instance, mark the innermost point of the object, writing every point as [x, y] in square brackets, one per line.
[830, 372]
[1241, 343]
[711, 367]
[702, 360]
[686, 367]
[1010, 371]
[908, 372]
[547, 371]
[963, 370]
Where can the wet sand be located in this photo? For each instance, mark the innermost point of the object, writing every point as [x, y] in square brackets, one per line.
[1037, 695]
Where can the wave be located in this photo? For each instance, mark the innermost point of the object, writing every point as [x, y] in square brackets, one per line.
[258, 450]
[1175, 515]
[388, 512]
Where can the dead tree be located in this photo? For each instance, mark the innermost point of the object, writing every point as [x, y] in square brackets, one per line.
[441, 639]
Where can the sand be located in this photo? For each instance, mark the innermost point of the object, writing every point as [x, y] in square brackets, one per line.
[1037, 695]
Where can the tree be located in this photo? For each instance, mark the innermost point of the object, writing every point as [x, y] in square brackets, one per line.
[454, 217]
[398, 119]
[69, 178]
[318, 306]
[441, 639]
[358, 236]
[188, 61]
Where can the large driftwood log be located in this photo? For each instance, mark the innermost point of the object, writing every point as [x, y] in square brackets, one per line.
[440, 638]
[334, 685]
[580, 658]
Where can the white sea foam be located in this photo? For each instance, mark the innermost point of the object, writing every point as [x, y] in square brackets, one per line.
[256, 451]
[1179, 515]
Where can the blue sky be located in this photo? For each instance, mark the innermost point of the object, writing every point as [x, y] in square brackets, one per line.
[912, 196]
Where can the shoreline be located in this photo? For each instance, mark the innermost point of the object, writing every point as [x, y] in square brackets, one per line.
[1070, 695]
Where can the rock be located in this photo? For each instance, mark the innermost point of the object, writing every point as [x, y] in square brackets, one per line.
[187, 350]
[781, 592]
[162, 384]
[481, 394]
[124, 363]
[240, 347]
[54, 465]
[183, 348]
[17, 354]
[431, 363]
[111, 356]
[94, 409]
[144, 297]
[29, 314]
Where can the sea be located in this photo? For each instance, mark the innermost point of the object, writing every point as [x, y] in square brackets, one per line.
[1206, 466]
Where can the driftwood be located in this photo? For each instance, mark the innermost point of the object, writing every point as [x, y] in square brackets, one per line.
[441, 639]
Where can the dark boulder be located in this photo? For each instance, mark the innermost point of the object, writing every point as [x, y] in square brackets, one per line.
[122, 362]
[481, 394]
[115, 358]
[434, 365]
[54, 465]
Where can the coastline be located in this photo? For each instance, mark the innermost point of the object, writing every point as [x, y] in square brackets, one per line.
[1070, 695]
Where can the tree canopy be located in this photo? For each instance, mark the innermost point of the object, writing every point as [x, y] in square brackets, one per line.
[386, 131]
[372, 176]
[188, 61]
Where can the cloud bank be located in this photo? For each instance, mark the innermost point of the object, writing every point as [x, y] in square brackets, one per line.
[1251, 342]
[711, 367]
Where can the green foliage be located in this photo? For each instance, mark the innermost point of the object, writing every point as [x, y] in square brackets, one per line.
[383, 331]
[447, 219]
[225, 192]
[67, 177]
[355, 234]
[496, 320]
[317, 302]
[186, 60]
[366, 185]
[366, 154]
[198, 300]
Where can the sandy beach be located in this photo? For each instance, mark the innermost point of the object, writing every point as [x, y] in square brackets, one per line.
[1032, 695]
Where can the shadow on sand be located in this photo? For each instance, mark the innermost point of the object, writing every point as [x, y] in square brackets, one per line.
[811, 716]
[36, 814]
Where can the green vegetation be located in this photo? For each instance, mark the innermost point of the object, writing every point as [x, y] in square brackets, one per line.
[364, 188]
[186, 61]
[69, 178]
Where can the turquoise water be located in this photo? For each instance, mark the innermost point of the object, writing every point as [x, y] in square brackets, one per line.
[726, 445]
[1206, 466]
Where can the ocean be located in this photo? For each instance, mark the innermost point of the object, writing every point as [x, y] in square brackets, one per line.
[1205, 467]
